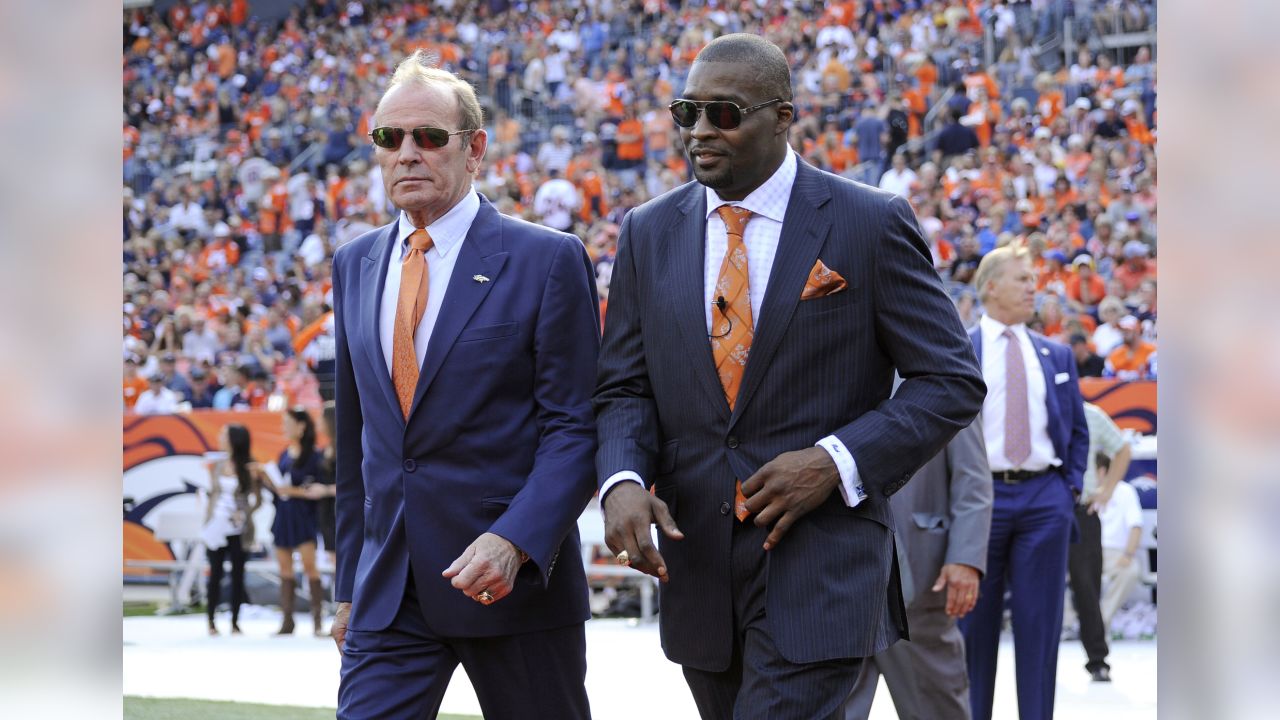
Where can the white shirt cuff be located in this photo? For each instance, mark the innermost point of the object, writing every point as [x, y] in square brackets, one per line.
[850, 484]
[614, 479]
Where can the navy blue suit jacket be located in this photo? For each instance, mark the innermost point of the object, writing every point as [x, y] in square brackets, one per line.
[499, 439]
[1067, 427]
[817, 367]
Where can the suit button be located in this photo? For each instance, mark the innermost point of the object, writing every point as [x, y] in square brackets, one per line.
[410, 465]
[724, 508]
[732, 442]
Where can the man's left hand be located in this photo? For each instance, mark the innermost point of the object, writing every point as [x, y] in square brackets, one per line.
[488, 565]
[788, 487]
[961, 583]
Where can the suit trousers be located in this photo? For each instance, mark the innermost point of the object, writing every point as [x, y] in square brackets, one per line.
[1084, 568]
[1031, 526]
[926, 675]
[402, 672]
[759, 682]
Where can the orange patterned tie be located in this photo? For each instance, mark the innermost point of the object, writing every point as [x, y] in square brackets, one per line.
[733, 330]
[409, 310]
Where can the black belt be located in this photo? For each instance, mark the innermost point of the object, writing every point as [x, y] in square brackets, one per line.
[1013, 477]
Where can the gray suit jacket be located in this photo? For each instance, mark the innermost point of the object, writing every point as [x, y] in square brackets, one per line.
[817, 367]
[943, 515]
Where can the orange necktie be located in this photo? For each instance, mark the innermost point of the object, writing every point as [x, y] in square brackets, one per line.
[409, 310]
[733, 330]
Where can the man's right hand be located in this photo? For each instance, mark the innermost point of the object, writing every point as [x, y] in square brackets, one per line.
[339, 627]
[629, 510]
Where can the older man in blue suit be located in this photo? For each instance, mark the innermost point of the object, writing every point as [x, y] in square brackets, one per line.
[466, 347]
[1037, 440]
[755, 321]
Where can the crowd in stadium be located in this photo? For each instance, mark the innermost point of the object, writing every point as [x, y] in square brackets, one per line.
[246, 161]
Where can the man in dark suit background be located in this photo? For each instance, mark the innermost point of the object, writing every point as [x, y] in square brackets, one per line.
[943, 516]
[770, 616]
[1037, 446]
[466, 347]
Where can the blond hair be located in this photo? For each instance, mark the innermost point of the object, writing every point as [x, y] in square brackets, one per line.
[991, 264]
[420, 67]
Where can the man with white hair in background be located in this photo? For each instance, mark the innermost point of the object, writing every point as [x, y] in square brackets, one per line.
[1037, 442]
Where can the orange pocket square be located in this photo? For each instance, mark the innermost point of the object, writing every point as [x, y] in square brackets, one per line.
[823, 281]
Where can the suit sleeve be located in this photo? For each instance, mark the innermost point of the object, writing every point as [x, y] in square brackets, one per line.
[348, 476]
[625, 409]
[971, 497]
[566, 346]
[918, 328]
[1077, 459]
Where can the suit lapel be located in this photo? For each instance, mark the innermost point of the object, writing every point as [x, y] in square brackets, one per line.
[479, 254]
[804, 230]
[373, 280]
[975, 336]
[685, 248]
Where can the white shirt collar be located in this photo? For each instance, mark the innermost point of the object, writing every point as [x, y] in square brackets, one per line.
[448, 231]
[770, 199]
[992, 329]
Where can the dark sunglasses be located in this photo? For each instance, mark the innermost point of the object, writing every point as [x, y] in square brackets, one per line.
[428, 138]
[720, 113]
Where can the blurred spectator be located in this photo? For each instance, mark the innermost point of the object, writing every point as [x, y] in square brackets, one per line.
[1085, 288]
[899, 178]
[156, 399]
[200, 394]
[556, 200]
[871, 133]
[172, 379]
[1108, 336]
[200, 343]
[955, 138]
[1088, 363]
[187, 216]
[1136, 268]
[1121, 521]
[134, 385]
[556, 154]
[1129, 361]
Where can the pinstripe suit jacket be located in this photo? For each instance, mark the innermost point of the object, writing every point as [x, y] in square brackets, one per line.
[817, 367]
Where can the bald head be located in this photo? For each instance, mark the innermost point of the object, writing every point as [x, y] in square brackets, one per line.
[766, 60]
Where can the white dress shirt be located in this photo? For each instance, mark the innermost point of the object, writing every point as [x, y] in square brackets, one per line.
[994, 345]
[447, 234]
[768, 204]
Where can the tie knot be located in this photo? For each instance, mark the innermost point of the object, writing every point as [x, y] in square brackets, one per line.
[735, 218]
[420, 240]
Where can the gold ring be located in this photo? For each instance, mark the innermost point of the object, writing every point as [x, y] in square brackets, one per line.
[485, 597]
[624, 558]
